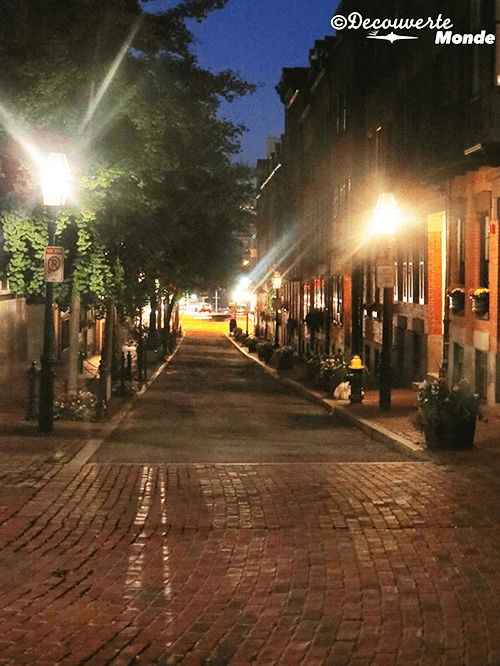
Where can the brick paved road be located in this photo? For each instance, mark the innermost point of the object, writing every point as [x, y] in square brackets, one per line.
[377, 563]
[213, 404]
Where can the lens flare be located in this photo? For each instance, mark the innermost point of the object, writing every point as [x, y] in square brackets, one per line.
[109, 77]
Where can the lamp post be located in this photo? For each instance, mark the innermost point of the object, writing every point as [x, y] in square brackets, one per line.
[385, 218]
[55, 179]
[276, 281]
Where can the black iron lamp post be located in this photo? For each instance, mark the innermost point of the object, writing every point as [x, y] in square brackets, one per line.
[276, 281]
[385, 218]
[56, 179]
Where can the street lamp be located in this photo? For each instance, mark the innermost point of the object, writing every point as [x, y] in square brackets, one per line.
[385, 217]
[276, 282]
[56, 179]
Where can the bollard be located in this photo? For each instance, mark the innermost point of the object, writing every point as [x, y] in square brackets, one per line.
[122, 374]
[33, 392]
[101, 392]
[139, 361]
[81, 358]
[129, 367]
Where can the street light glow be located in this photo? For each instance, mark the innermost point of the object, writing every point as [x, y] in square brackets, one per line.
[56, 179]
[386, 214]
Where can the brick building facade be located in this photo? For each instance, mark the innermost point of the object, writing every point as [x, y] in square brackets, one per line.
[418, 119]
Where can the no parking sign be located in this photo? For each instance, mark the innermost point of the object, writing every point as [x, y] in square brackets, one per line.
[53, 264]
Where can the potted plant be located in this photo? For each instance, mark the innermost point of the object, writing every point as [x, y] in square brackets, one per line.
[457, 300]
[448, 417]
[313, 368]
[251, 343]
[283, 359]
[265, 351]
[480, 298]
[332, 372]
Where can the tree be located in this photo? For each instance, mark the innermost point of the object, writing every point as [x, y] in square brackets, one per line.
[159, 197]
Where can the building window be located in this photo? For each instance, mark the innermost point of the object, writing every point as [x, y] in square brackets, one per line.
[319, 294]
[4, 285]
[421, 279]
[408, 279]
[378, 149]
[369, 281]
[461, 250]
[398, 293]
[480, 373]
[411, 281]
[458, 363]
[367, 359]
[342, 110]
[307, 300]
[484, 250]
[341, 195]
[337, 299]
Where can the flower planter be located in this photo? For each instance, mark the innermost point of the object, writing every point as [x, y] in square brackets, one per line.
[448, 417]
[459, 435]
[480, 304]
[457, 301]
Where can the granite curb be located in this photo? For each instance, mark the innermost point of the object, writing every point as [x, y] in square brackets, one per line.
[374, 430]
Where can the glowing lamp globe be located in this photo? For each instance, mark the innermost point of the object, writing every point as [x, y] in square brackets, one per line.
[385, 215]
[276, 280]
[56, 179]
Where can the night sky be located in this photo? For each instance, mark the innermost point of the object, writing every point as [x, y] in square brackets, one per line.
[256, 39]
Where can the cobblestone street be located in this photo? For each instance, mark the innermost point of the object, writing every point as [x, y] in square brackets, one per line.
[393, 560]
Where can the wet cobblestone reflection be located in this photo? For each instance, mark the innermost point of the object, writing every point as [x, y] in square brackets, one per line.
[338, 563]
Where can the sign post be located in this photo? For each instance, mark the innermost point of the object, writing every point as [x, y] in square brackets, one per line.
[53, 264]
[385, 275]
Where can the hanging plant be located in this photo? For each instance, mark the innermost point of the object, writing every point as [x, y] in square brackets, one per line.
[314, 320]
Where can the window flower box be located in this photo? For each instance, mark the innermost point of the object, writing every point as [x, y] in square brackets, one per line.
[457, 300]
[480, 301]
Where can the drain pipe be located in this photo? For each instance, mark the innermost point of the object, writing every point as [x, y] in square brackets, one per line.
[444, 370]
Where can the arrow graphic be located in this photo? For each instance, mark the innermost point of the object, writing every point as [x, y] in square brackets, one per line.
[391, 37]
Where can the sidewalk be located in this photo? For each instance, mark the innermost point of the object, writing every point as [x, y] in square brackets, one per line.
[14, 393]
[397, 425]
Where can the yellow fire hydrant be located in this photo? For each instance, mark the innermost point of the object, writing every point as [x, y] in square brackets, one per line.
[355, 378]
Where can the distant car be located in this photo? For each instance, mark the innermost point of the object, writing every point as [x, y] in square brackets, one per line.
[205, 307]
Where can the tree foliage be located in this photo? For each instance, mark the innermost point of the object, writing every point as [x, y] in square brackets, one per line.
[158, 195]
